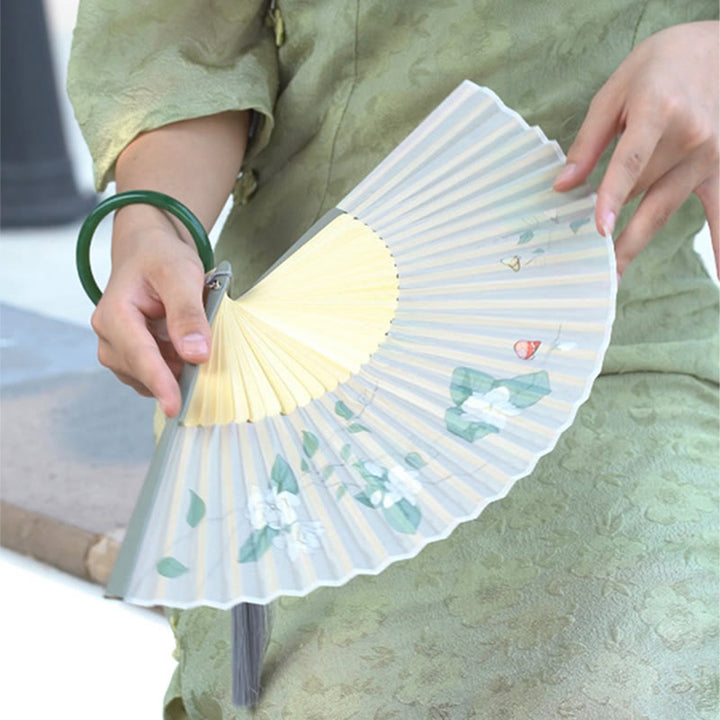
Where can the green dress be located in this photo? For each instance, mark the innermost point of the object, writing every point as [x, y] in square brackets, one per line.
[590, 591]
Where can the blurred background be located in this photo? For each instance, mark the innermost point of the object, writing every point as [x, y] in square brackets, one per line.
[74, 443]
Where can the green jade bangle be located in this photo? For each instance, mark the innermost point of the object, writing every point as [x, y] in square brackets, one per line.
[136, 197]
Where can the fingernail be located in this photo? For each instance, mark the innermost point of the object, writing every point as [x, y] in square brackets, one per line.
[194, 344]
[608, 223]
[566, 173]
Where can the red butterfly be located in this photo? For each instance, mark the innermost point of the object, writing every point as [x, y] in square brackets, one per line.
[525, 349]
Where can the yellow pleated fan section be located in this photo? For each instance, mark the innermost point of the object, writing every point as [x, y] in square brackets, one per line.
[302, 330]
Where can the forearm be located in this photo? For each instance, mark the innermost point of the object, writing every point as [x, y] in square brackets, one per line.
[195, 161]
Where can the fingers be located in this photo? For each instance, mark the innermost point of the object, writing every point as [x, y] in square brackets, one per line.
[641, 134]
[660, 202]
[135, 358]
[151, 319]
[630, 158]
[662, 102]
[709, 194]
[187, 325]
[600, 126]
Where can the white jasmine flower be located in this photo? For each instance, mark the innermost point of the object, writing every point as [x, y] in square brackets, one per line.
[492, 408]
[403, 484]
[300, 537]
[274, 509]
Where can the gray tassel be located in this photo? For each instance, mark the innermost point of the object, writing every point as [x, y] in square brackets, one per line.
[250, 633]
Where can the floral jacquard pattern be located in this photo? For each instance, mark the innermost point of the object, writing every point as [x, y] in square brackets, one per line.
[678, 616]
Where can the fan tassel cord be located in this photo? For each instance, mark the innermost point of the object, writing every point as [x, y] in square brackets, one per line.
[250, 633]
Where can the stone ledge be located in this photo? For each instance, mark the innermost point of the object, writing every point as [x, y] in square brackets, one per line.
[67, 548]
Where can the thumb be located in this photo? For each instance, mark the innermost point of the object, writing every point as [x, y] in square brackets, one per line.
[187, 324]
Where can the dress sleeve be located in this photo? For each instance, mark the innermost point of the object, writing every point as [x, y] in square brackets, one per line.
[137, 65]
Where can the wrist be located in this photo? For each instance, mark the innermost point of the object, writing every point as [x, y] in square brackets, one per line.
[138, 219]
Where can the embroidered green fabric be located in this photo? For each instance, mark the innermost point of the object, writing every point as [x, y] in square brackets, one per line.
[590, 591]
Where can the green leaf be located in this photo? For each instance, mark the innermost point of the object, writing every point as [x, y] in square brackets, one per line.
[257, 544]
[196, 511]
[414, 460]
[364, 499]
[466, 381]
[345, 452]
[575, 225]
[169, 567]
[457, 423]
[357, 427]
[526, 237]
[283, 477]
[343, 410]
[328, 471]
[310, 443]
[340, 492]
[304, 466]
[403, 516]
[526, 390]
[374, 482]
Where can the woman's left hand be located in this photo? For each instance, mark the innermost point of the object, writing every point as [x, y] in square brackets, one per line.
[663, 102]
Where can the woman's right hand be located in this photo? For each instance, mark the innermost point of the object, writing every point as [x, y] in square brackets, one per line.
[151, 318]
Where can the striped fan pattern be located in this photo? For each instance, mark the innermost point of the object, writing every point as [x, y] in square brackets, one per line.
[400, 369]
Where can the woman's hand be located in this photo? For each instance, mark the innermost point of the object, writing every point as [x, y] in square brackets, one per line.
[663, 102]
[151, 319]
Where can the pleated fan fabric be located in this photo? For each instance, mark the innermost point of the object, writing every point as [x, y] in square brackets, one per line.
[485, 347]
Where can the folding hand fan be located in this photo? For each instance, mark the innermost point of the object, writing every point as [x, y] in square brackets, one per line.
[411, 357]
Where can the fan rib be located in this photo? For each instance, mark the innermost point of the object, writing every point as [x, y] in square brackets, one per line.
[428, 137]
[229, 456]
[418, 318]
[422, 363]
[290, 338]
[171, 524]
[427, 399]
[492, 205]
[144, 580]
[365, 546]
[473, 186]
[384, 539]
[492, 447]
[389, 439]
[336, 554]
[263, 459]
[423, 423]
[439, 226]
[446, 171]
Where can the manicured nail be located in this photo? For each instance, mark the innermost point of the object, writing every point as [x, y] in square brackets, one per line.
[566, 173]
[608, 224]
[194, 344]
